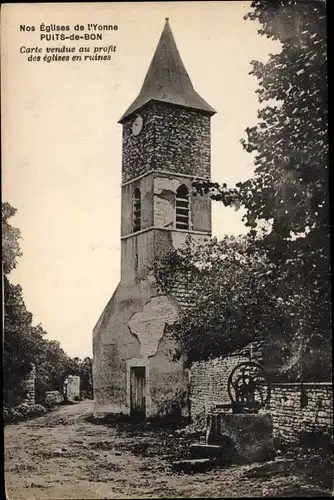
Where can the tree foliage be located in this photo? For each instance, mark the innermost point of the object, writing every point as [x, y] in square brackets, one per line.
[289, 191]
[24, 343]
[234, 297]
[86, 376]
[52, 366]
[290, 143]
[10, 239]
[223, 312]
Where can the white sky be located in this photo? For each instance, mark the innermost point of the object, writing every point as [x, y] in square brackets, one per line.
[62, 142]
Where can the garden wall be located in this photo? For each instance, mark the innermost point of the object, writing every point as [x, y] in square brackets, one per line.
[297, 407]
[53, 397]
[294, 407]
[208, 383]
[29, 387]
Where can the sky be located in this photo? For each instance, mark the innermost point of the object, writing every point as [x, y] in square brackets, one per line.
[62, 144]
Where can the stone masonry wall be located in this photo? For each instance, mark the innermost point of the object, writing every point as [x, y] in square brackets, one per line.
[73, 387]
[208, 383]
[172, 139]
[53, 397]
[182, 141]
[293, 409]
[293, 412]
[29, 387]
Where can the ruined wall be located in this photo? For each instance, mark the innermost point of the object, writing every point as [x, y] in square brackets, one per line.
[73, 387]
[293, 412]
[29, 387]
[53, 397]
[173, 139]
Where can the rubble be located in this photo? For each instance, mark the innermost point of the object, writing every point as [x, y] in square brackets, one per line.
[22, 412]
[196, 427]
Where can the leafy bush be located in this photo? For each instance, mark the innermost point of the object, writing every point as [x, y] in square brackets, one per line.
[22, 412]
[53, 398]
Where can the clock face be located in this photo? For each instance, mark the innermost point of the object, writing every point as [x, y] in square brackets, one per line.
[137, 125]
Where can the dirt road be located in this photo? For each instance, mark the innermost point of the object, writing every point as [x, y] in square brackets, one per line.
[63, 455]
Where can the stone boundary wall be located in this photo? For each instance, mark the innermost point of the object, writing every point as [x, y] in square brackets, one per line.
[294, 407]
[297, 407]
[53, 397]
[208, 383]
[29, 387]
[73, 387]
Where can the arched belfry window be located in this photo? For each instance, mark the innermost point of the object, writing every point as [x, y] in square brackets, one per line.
[182, 208]
[136, 210]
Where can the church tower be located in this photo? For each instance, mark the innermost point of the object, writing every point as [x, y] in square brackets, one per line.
[166, 146]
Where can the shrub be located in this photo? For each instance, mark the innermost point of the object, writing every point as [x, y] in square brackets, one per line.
[53, 398]
[22, 412]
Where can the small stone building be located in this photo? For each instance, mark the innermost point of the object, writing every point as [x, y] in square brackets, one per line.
[165, 146]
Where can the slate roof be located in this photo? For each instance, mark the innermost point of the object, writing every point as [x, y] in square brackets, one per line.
[167, 79]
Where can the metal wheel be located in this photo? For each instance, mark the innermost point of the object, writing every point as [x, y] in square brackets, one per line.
[248, 385]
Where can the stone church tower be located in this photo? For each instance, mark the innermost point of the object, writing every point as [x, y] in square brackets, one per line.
[166, 145]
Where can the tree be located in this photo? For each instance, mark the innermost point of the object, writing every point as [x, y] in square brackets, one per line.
[22, 341]
[10, 239]
[290, 185]
[231, 300]
[289, 188]
[52, 367]
[289, 192]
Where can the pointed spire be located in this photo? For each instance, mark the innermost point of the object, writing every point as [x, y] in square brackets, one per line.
[167, 79]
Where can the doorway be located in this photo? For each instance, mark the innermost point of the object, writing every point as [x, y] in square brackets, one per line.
[137, 392]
